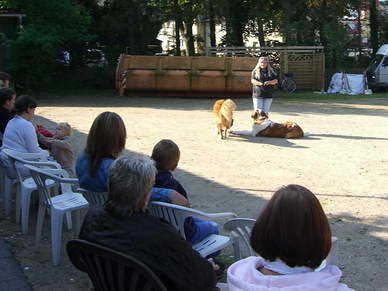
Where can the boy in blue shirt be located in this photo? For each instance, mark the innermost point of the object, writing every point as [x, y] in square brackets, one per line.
[166, 155]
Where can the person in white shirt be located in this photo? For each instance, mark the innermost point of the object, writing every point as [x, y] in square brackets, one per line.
[20, 133]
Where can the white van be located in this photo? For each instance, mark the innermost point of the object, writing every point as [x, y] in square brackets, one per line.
[377, 71]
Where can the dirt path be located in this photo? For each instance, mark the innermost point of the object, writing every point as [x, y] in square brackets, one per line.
[344, 161]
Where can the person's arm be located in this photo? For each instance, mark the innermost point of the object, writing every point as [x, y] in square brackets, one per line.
[271, 82]
[46, 141]
[31, 139]
[254, 81]
[178, 199]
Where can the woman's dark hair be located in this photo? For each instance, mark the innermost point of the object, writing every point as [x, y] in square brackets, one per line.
[5, 95]
[293, 228]
[4, 76]
[23, 103]
[166, 155]
[106, 139]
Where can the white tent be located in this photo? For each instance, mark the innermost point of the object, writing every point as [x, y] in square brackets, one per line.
[351, 84]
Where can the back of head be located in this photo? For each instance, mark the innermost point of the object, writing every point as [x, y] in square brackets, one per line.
[293, 228]
[23, 103]
[6, 94]
[4, 77]
[166, 155]
[106, 139]
[130, 180]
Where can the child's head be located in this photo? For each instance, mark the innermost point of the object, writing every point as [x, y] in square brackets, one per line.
[293, 228]
[166, 155]
[62, 129]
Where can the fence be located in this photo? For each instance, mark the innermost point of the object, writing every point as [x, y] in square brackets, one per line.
[223, 75]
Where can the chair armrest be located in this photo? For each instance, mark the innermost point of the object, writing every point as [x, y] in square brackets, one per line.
[69, 180]
[220, 214]
[54, 165]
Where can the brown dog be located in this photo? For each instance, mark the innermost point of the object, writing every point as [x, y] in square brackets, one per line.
[262, 126]
[223, 116]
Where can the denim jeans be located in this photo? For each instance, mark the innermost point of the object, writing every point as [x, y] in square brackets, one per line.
[263, 104]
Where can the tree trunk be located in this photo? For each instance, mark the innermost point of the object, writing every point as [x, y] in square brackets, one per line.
[228, 24]
[374, 26]
[359, 29]
[190, 37]
[260, 31]
[212, 23]
[178, 25]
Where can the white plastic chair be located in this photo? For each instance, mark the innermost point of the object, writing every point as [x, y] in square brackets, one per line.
[66, 202]
[94, 198]
[240, 230]
[176, 216]
[6, 188]
[26, 184]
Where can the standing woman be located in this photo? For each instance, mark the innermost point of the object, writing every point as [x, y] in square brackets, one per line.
[263, 80]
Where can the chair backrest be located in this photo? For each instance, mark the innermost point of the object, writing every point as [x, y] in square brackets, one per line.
[112, 270]
[94, 198]
[58, 175]
[241, 228]
[37, 159]
[172, 213]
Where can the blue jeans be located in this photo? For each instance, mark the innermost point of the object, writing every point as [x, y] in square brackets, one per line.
[263, 104]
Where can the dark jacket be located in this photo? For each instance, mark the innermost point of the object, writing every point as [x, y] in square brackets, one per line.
[164, 179]
[155, 243]
[5, 116]
[263, 76]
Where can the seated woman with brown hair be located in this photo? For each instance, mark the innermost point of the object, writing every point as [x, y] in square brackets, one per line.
[124, 225]
[292, 237]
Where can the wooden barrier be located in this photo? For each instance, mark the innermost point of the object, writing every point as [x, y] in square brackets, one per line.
[209, 76]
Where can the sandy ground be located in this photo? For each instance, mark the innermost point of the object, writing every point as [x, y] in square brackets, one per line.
[344, 161]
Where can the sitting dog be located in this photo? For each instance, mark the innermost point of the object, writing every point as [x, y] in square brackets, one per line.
[223, 115]
[262, 126]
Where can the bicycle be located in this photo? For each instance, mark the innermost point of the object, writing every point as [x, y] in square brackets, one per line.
[288, 84]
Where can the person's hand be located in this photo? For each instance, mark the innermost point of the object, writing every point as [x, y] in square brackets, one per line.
[214, 265]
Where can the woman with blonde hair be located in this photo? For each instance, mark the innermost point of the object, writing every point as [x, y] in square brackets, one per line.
[263, 79]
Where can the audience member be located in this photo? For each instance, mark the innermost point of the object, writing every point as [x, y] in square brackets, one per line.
[292, 237]
[20, 134]
[4, 80]
[7, 103]
[60, 146]
[106, 140]
[166, 155]
[123, 225]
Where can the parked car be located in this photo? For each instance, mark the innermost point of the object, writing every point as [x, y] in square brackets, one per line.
[95, 58]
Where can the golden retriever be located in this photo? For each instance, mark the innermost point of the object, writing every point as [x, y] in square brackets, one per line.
[223, 116]
[262, 126]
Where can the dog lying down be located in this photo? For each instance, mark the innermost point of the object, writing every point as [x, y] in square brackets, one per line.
[223, 116]
[262, 126]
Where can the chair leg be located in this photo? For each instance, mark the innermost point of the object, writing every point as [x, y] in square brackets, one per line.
[236, 247]
[56, 235]
[69, 221]
[25, 200]
[19, 188]
[7, 195]
[77, 222]
[39, 223]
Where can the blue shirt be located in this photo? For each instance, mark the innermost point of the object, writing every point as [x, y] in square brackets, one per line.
[97, 183]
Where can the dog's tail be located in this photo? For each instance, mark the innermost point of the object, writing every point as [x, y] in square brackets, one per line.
[227, 109]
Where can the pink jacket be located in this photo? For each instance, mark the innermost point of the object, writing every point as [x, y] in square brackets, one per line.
[243, 275]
